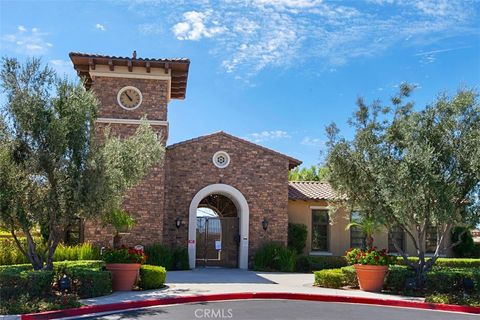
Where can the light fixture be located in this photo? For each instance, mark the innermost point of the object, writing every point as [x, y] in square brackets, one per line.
[178, 222]
[265, 224]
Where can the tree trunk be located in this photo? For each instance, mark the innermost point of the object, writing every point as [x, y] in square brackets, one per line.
[117, 241]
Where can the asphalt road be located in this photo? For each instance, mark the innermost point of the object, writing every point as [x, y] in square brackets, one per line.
[283, 310]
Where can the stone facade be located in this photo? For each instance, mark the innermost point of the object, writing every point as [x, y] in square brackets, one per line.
[260, 175]
[145, 201]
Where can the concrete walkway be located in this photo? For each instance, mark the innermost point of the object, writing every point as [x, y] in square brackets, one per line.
[216, 280]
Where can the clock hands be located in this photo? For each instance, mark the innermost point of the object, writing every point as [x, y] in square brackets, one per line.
[128, 96]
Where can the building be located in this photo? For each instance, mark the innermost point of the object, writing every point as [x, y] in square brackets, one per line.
[218, 195]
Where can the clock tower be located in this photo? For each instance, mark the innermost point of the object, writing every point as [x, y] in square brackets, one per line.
[129, 89]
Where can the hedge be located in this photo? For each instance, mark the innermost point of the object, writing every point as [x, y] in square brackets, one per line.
[170, 259]
[327, 262]
[330, 278]
[448, 262]
[152, 277]
[88, 279]
[274, 257]
[350, 276]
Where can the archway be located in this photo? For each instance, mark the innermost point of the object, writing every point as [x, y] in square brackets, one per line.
[201, 199]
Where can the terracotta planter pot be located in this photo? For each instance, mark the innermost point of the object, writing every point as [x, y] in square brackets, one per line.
[123, 275]
[371, 278]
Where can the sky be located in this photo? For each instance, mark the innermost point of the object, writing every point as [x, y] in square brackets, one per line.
[275, 72]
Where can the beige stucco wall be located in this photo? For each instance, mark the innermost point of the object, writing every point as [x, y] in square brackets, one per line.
[300, 211]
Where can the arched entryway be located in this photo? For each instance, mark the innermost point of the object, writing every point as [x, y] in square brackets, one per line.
[218, 227]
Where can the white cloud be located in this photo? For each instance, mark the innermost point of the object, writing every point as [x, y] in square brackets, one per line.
[315, 142]
[26, 42]
[150, 28]
[193, 26]
[100, 27]
[249, 36]
[267, 135]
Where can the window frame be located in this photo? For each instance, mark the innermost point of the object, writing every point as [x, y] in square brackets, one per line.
[352, 229]
[327, 224]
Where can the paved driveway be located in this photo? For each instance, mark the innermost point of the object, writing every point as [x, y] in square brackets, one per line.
[283, 310]
[218, 280]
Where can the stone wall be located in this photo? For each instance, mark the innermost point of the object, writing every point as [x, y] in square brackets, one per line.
[260, 175]
[145, 201]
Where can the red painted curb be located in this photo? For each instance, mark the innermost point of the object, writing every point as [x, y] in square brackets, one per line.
[120, 306]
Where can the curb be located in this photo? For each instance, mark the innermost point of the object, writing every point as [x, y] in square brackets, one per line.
[121, 306]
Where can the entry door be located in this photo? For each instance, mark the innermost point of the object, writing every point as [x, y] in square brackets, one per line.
[217, 242]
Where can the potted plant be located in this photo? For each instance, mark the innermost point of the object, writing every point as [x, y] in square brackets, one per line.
[371, 266]
[122, 222]
[124, 264]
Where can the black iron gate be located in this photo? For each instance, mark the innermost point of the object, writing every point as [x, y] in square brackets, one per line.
[217, 241]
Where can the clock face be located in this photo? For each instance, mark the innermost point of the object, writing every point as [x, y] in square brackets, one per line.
[129, 98]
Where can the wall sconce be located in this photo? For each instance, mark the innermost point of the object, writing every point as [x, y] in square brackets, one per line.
[178, 222]
[265, 224]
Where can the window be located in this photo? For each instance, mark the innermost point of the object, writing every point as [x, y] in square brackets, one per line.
[357, 236]
[320, 226]
[398, 234]
[431, 239]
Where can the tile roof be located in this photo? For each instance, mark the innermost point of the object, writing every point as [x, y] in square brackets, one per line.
[85, 62]
[292, 161]
[310, 190]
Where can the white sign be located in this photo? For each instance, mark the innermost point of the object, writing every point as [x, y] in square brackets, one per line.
[218, 245]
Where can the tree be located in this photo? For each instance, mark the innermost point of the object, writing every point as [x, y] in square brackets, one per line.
[368, 226]
[314, 173]
[412, 169]
[51, 171]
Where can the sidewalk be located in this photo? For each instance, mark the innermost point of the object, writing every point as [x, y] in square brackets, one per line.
[215, 280]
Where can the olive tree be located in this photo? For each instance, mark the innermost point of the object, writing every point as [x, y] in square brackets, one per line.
[412, 169]
[51, 169]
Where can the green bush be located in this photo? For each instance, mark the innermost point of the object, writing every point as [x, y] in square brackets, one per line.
[473, 300]
[450, 280]
[327, 262]
[297, 237]
[159, 255]
[88, 279]
[14, 283]
[274, 257]
[152, 277]
[396, 278]
[9, 253]
[303, 264]
[89, 283]
[26, 304]
[466, 248]
[84, 251]
[330, 278]
[350, 276]
[448, 262]
[180, 259]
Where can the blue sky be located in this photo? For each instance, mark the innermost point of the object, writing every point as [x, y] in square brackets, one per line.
[274, 72]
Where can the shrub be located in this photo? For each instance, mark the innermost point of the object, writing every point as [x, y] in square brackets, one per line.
[274, 257]
[9, 253]
[396, 278]
[61, 267]
[450, 280]
[84, 251]
[89, 283]
[448, 262]
[330, 278]
[303, 264]
[473, 300]
[466, 248]
[297, 237]
[14, 283]
[25, 304]
[159, 255]
[350, 276]
[152, 277]
[180, 259]
[327, 262]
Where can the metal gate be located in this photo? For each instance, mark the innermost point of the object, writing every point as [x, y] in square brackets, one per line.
[217, 241]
